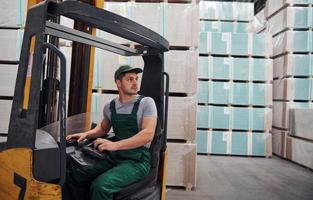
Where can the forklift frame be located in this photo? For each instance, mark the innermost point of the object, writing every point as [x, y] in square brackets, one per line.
[24, 120]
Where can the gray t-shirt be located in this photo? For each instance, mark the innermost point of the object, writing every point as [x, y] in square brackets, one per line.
[147, 108]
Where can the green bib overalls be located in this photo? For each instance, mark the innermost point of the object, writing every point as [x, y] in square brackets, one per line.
[121, 169]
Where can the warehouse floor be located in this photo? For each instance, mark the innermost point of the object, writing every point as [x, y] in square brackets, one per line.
[242, 178]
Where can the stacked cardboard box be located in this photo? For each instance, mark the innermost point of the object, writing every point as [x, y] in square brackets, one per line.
[290, 22]
[234, 114]
[12, 21]
[178, 23]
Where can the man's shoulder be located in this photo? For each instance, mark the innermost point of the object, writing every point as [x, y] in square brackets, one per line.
[147, 100]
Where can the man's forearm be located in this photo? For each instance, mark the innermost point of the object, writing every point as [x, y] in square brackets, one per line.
[96, 132]
[138, 140]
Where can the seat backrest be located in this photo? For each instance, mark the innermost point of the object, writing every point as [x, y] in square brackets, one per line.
[156, 146]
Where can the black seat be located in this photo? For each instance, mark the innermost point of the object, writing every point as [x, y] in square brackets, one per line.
[148, 188]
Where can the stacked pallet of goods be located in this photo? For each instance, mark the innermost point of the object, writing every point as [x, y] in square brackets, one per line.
[290, 22]
[234, 82]
[178, 23]
[12, 21]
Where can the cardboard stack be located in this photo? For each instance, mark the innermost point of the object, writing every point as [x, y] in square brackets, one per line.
[234, 114]
[290, 22]
[12, 21]
[179, 24]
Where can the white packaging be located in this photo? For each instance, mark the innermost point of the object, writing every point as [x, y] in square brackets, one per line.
[13, 13]
[5, 107]
[181, 24]
[12, 41]
[182, 69]
[7, 79]
[182, 114]
[182, 165]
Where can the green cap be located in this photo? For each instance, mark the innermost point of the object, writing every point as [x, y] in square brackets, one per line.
[125, 68]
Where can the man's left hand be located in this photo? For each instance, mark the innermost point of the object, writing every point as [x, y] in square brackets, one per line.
[105, 145]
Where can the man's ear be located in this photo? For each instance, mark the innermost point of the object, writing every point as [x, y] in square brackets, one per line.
[118, 83]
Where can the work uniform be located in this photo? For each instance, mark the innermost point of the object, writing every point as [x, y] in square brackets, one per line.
[120, 169]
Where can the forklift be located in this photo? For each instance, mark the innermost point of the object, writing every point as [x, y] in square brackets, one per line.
[35, 157]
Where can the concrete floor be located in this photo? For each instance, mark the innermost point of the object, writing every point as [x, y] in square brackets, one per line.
[243, 178]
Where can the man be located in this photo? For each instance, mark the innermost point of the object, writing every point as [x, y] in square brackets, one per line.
[133, 119]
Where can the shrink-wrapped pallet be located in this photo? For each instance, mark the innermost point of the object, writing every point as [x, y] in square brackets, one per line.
[234, 11]
[7, 79]
[293, 41]
[182, 114]
[281, 112]
[300, 151]
[239, 44]
[234, 68]
[182, 165]
[293, 89]
[5, 107]
[234, 143]
[12, 41]
[300, 122]
[181, 24]
[222, 26]
[293, 65]
[279, 138]
[291, 18]
[13, 13]
[272, 6]
[239, 118]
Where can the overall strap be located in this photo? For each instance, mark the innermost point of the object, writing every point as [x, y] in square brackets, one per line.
[136, 105]
[112, 106]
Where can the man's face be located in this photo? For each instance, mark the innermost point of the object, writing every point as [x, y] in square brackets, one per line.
[129, 83]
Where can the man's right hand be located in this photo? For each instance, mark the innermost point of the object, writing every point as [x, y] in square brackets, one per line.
[77, 136]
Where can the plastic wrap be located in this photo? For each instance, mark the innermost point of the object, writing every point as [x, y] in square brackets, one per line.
[182, 69]
[273, 6]
[258, 24]
[291, 18]
[178, 23]
[182, 113]
[243, 118]
[281, 112]
[234, 11]
[239, 44]
[149, 15]
[300, 151]
[293, 65]
[279, 138]
[7, 79]
[293, 89]
[234, 143]
[5, 107]
[12, 40]
[13, 13]
[215, 92]
[234, 68]
[293, 41]
[300, 122]
[182, 165]
[181, 24]
[221, 26]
